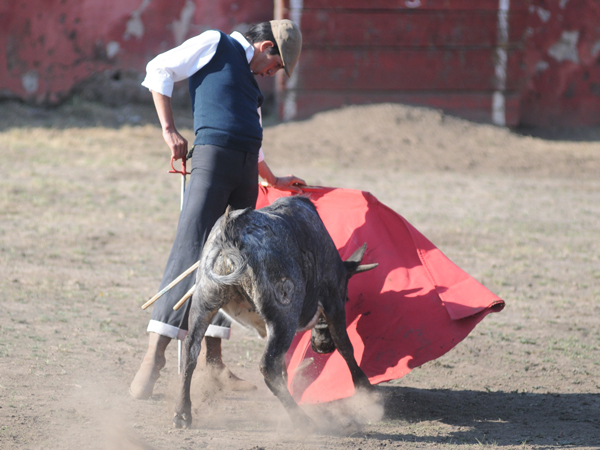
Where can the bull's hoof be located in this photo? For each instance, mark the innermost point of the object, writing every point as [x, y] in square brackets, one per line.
[369, 389]
[365, 385]
[182, 420]
[303, 426]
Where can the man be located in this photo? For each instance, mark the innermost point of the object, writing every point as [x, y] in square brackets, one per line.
[227, 159]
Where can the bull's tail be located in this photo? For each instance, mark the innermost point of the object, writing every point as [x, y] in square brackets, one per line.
[225, 264]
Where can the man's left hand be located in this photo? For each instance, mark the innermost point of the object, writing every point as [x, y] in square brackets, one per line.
[289, 183]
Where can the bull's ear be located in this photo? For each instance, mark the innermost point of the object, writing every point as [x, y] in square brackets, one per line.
[353, 265]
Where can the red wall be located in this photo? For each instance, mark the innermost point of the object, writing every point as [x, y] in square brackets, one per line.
[47, 46]
[438, 53]
[445, 54]
[562, 84]
[441, 53]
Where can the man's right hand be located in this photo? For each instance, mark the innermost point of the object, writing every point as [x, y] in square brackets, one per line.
[177, 143]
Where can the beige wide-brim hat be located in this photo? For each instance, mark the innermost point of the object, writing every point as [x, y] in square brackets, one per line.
[289, 40]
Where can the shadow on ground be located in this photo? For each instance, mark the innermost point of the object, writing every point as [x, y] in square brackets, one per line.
[573, 134]
[500, 418]
[78, 112]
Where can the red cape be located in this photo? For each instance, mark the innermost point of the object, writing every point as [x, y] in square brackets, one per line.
[414, 307]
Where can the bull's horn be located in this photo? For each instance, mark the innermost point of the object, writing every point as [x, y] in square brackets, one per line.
[353, 265]
[365, 267]
[357, 256]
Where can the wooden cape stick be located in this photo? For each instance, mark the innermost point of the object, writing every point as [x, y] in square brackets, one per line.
[171, 284]
[187, 295]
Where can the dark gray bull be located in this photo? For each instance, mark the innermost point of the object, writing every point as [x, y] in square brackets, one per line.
[277, 270]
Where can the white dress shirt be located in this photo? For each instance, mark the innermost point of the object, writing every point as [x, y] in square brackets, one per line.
[185, 60]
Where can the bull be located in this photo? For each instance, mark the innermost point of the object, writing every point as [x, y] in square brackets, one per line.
[276, 270]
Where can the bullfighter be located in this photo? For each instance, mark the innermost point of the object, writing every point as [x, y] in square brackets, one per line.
[227, 160]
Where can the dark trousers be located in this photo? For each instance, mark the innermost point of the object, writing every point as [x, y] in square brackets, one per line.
[220, 177]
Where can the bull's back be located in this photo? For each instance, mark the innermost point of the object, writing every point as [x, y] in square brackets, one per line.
[290, 259]
[286, 233]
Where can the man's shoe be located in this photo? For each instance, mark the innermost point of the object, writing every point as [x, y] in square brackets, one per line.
[215, 370]
[223, 376]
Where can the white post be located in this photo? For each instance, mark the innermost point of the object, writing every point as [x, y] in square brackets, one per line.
[289, 103]
[498, 99]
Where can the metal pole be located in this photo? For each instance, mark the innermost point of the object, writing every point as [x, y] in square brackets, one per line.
[183, 176]
[183, 173]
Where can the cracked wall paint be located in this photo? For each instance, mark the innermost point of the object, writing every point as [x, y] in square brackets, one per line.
[112, 48]
[181, 27]
[412, 3]
[30, 82]
[135, 25]
[44, 57]
[595, 51]
[543, 14]
[541, 66]
[563, 75]
[565, 49]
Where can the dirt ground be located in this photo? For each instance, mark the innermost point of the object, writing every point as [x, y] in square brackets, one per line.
[88, 213]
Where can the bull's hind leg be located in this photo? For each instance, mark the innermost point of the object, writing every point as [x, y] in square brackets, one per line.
[199, 320]
[337, 327]
[280, 338]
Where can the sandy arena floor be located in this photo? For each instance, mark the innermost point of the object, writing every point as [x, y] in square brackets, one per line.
[88, 213]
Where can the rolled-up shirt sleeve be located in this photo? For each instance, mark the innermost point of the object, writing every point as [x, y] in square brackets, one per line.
[180, 62]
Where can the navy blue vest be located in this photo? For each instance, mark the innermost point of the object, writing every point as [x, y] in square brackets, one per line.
[225, 100]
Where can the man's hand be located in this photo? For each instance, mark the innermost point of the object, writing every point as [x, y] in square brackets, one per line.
[289, 183]
[177, 143]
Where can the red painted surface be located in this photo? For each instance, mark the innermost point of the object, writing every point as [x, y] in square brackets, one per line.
[440, 53]
[397, 28]
[445, 5]
[399, 69]
[428, 52]
[563, 77]
[46, 46]
[443, 53]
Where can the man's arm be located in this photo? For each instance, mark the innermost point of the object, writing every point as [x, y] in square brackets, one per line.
[174, 65]
[176, 142]
[287, 183]
[180, 62]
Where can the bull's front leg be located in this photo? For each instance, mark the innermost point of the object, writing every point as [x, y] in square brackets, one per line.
[280, 337]
[199, 320]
